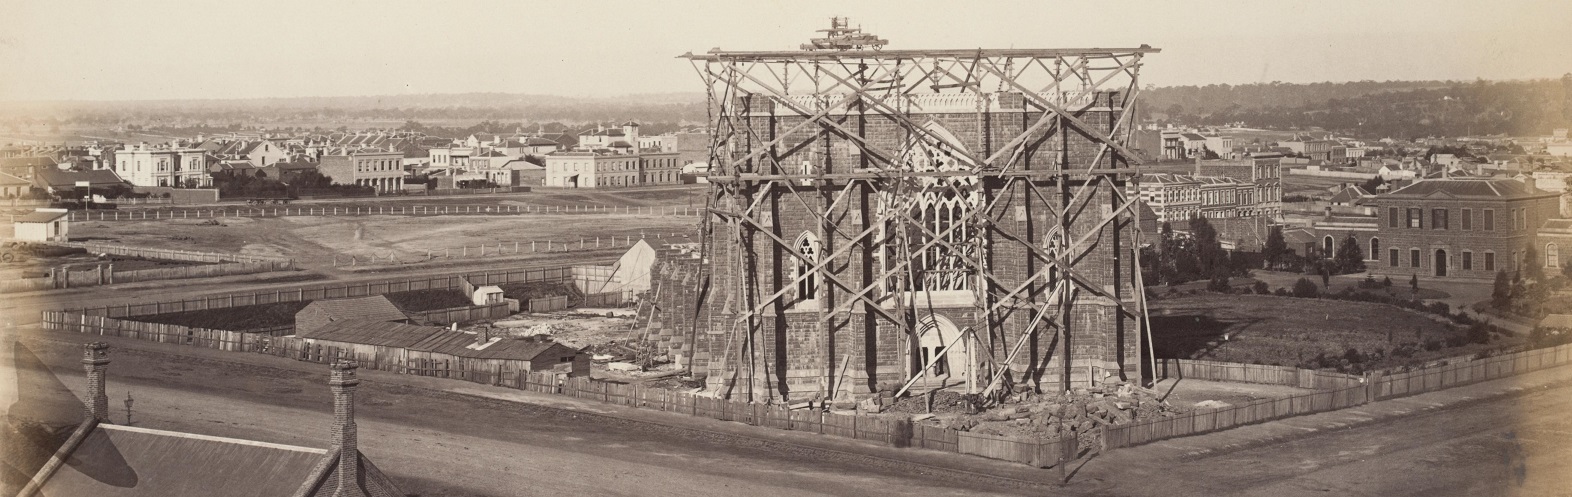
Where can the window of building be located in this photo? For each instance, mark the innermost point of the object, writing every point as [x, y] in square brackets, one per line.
[1552, 255]
[1438, 219]
[1375, 247]
[1391, 257]
[1490, 261]
[1415, 218]
[808, 284]
[1468, 260]
[1326, 245]
[1468, 219]
[1490, 219]
[1413, 258]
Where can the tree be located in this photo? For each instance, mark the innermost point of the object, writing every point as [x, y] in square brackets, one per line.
[1275, 246]
[1373, 183]
[1501, 291]
[1304, 288]
[1413, 283]
[1350, 258]
[1532, 268]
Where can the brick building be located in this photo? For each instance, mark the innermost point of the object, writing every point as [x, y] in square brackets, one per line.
[942, 293]
[605, 169]
[1467, 228]
[379, 169]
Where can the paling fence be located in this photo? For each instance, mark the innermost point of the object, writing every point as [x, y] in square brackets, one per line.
[333, 291]
[1374, 387]
[462, 314]
[604, 299]
[900, 433]
[502, 249]
[1254, 373]
[220, 264]
[896, 432]
[171, 254]
[155, 214]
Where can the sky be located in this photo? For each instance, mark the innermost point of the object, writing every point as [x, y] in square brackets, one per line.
[169, 49]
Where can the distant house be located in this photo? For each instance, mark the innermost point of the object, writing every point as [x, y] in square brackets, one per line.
[44, 225]
[12, 186]
[320, 313]
[110, 460]
[1349, 196]
[436, 351]
[65, 183]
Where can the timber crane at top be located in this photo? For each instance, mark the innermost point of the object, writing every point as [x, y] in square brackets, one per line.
[841, 36]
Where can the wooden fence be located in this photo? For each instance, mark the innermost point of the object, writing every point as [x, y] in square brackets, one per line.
[1373, 387]
[330, 291]
[1254, 373]
[896, 432]
[153, 214]
[548, 304]
[173, 255]
[900, 433]
[462, 314]
[604, 299]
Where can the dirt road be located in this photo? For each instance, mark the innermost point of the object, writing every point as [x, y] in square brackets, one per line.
[444, 437]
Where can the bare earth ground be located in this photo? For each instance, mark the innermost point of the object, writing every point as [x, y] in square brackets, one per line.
[441, 437]
[1255, 329]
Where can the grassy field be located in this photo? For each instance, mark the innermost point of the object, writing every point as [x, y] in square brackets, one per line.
[314, 241]
[1309, 333]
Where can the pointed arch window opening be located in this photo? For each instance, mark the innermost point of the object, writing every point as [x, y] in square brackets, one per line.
[807, 280]
[938, 203]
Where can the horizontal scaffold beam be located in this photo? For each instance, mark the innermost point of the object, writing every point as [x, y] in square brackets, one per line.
[723, 55]
[1049, 174]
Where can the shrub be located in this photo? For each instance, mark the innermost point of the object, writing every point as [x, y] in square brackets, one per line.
[1386, 281]
[1369, 283]
[1260, 288]
[1282, 292]
[1218, 284]
[1304, 288]
[1440, 308]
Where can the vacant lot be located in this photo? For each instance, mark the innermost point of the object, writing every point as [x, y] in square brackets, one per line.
[1310, 333]
[35, 261]
[314, 241]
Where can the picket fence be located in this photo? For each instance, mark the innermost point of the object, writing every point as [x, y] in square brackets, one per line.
[329, 291]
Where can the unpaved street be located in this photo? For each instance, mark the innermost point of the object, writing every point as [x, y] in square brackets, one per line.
[447, 437]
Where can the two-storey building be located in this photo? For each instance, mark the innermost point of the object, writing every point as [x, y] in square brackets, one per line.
[1469, 228]
[144, 165]
[379, 169]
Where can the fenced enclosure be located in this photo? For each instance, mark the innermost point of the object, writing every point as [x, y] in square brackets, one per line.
[1254, 373]
[1353, 391]
[154, 214]
[330, 291]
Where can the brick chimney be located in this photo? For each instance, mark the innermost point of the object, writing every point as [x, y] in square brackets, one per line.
[343, 381]
[95, 360]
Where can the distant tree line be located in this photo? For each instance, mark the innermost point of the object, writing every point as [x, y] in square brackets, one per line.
[1399, 109]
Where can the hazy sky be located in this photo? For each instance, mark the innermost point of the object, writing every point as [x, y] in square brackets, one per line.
[160, 49]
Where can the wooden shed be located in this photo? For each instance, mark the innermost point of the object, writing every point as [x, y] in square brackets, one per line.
[375, 344]
[454, 351]
[321, 312]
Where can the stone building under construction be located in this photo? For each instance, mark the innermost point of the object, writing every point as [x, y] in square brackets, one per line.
[888, 220]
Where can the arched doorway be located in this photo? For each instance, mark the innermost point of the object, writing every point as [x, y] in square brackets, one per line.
[1440, 262]
[935, 332]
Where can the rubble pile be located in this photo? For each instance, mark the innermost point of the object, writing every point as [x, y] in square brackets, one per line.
[1030, 415]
